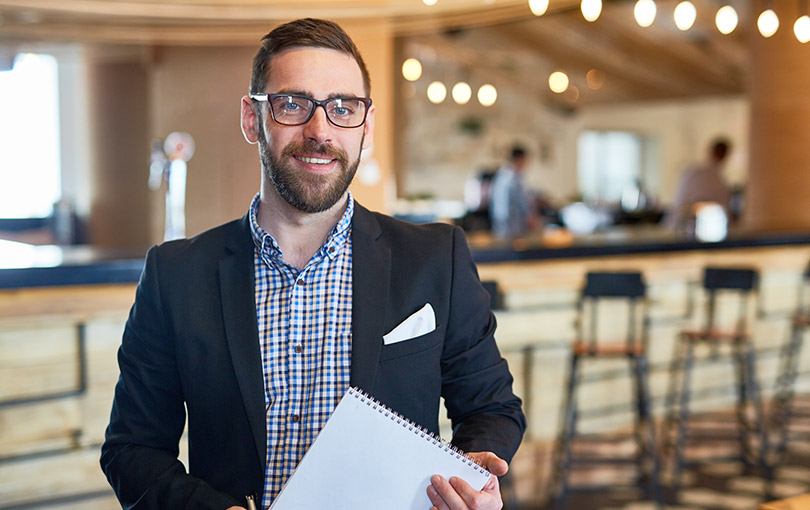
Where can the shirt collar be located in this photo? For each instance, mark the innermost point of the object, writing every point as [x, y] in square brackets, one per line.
[268, 247]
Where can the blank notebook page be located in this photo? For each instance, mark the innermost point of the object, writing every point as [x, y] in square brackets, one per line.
[369, 457]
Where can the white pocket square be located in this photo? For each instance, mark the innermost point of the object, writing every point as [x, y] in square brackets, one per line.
[418, 324]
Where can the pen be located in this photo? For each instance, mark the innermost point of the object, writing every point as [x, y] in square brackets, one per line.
[251, 502]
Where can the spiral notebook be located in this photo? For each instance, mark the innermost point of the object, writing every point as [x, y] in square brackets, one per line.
[369, 457]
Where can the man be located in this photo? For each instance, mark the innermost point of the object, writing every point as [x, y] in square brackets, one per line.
[702, 183]
[256, 328]
[512, 210]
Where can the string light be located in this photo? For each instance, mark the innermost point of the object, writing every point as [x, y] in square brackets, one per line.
[768, 23]
[558, 82]
[685, 15]
[802, 29]
[726, 19]
[538, 7]
[802, 26]
[411, 69]
[595, 79]
[436, 92]
[487, 94]
[591, 9]
[461, 93]
[644, 12]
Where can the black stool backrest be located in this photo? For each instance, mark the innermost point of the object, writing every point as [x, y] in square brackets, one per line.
[601, 285]
[743, 281]
[717, 278]
[608, 284]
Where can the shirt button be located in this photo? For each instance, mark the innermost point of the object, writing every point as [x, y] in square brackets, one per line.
[296, 418]
[301, 282]
[299, 349]
[331, 249]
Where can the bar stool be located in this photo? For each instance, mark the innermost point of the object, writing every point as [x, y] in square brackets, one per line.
[785, 407]
[736, 285]
[628, 290]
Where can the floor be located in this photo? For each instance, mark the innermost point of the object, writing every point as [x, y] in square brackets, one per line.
[718, 485]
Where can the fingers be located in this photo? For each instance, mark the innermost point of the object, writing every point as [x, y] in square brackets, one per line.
[456, 494]
[433, 494]
[491, 462]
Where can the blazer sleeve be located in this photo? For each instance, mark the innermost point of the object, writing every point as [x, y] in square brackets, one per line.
[476, 383]
[140, 452]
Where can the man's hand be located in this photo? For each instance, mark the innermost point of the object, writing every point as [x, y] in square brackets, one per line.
[456, 494]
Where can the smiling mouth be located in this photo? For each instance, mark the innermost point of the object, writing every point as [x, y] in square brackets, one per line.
[313, 161]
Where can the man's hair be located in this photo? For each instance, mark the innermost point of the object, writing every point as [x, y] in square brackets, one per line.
[518, 152]
[720, 149]
[309, 32]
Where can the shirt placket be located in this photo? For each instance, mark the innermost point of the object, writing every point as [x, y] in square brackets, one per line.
[296, 361]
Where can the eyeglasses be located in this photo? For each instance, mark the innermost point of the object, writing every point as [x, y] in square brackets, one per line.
[290, 110]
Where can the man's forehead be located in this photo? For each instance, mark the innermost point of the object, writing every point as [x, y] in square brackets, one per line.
[315, 71]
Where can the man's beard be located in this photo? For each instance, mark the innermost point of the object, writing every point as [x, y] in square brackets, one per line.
[307, 192]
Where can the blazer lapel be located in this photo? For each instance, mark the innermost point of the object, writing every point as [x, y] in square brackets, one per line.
[237, 298]
[371, 264]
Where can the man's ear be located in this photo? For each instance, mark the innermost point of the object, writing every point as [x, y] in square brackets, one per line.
[249, 121]
[368, 127]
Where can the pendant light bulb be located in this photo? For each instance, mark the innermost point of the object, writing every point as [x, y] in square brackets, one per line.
[726, 19]
[685, 15]
[768, 23]
[538, 7]
[644, 12]
[591, 9]
[802, 29]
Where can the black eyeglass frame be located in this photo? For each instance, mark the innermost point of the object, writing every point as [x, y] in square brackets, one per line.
[267, 98]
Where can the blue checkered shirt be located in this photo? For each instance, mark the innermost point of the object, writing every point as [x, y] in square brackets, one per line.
[305, 334]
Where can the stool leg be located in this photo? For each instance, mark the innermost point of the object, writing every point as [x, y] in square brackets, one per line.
[682, 418]
[569, 427]
[760, 432]
[670, 408]
[783, 400]
[645, 428]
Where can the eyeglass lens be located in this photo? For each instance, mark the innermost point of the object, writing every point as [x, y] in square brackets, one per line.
[294, 110]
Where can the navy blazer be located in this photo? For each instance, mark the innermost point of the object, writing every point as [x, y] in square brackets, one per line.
[190, 345]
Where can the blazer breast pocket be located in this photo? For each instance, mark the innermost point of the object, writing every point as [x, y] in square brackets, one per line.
[414, 345]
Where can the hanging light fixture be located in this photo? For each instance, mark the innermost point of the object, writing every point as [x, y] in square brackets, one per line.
[411, 69]
[685, 15]
[429, 3]
[802, 26]
[487, 94]
[591, 9]
[726, 19]
[436, 92]
[538, 7]
[461, 93]
[768, 23]
[644, 12]
[558, 82]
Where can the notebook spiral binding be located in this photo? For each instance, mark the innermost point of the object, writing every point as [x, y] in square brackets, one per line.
[416, 429]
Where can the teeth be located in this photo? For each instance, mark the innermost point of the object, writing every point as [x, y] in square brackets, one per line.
[315, 161]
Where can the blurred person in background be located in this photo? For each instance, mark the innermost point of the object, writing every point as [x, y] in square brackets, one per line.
[512, 208]
[701, 183]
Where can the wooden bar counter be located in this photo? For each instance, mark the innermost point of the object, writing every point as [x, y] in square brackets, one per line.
[62, 315]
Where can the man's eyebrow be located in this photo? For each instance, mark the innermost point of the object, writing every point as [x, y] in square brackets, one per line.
[295, 92]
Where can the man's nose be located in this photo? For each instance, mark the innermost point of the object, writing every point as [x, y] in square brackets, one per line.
[318, 128]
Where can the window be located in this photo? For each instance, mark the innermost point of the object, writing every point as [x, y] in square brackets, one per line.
[30, 170]
[608, 163]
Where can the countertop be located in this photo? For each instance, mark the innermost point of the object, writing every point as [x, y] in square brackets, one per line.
[24, 265]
